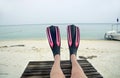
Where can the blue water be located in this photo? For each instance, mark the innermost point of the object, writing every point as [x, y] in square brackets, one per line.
[38, 31]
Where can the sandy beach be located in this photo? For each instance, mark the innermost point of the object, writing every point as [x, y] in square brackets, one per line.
[15, 55]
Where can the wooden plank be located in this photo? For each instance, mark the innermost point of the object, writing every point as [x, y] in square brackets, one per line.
[41, 69]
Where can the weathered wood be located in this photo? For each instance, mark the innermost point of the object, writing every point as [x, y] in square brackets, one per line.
[41, 69]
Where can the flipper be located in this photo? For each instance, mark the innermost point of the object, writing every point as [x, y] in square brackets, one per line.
[73, 35]
[54, 39]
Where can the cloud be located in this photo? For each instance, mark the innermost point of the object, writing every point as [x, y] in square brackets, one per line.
[58, 11]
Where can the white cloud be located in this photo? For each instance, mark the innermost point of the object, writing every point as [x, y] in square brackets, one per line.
[58, 11]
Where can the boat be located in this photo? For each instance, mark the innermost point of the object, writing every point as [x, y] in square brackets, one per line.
[113, 34]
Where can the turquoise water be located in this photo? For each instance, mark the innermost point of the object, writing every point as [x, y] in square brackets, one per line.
[38, 31]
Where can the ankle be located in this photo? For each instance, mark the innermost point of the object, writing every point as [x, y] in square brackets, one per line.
[73, 57]
[57, 57]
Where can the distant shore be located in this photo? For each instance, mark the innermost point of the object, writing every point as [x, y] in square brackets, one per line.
[15, 55]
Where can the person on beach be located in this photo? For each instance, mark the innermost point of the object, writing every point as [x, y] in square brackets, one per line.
[54, 40]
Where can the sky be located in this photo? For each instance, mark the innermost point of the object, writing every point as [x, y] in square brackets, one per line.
[58, 11]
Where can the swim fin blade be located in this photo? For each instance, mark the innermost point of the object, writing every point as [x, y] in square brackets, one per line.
[73, 35]
[54, 39]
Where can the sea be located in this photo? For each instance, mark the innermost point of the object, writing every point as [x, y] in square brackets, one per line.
[88, 31]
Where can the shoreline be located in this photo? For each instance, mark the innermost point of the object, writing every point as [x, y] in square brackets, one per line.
[104, 55]
[37, 39]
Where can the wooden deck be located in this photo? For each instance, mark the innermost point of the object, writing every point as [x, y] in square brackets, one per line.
[41, 69]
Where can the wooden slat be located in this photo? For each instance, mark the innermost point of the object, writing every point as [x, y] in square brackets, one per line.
[41, 69]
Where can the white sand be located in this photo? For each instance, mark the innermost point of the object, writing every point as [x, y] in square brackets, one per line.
[13, 60]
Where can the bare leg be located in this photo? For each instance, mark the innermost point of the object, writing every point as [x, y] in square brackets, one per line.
[56, 71]
[77, 71]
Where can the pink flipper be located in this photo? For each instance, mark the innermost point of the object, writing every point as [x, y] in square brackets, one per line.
[73, 34]
[54, 39]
